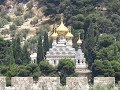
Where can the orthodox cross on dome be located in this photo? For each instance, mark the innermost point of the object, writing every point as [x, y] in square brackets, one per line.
[62, 17]
[55, 26]
[69, 27]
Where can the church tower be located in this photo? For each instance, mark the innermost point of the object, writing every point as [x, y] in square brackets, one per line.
[81, 65]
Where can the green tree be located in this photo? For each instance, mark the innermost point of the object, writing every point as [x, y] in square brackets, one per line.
[3, 22]
[18, 21]
[13, 70]
[104, 25]
[40, 51]
[7, 18]
[90, 42]
[9, 57]
[77, 21]
[46, 68]
[5, 32]
[46, 43]
[3, 48]
[103, 68]
[27, 15]
[17, 50]
[13, 27]
[106, 40]
[34, 70]
[23, 73]
[25, 55]
[66, 67]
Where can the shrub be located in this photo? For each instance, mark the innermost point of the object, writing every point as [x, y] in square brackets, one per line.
[46, 68]
[4, 32]
[3, 22]
[27, 15]
[13, 27]
[19, 21]
[7, 18]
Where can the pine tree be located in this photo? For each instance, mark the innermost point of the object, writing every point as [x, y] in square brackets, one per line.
[25, 56]
[9, 57]
[46, 43]
[40, 51]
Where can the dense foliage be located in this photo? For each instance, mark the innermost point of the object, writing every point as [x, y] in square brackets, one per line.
[98, 21]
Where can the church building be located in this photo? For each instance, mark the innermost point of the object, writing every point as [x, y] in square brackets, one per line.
[62, 48]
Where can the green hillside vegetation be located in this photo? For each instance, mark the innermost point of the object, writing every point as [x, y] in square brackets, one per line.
[98, 21]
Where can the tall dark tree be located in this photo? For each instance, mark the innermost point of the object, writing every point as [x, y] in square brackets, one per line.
[3, 46]
[40, 51]
[17, 50]
[9, 57]
[45, 43]
[25, 55]
[90, 43]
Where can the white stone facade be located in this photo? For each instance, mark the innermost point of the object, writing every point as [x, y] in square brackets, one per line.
[33, 58]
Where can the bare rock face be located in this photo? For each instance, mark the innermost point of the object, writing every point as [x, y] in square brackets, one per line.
[48, 83]
[77, 83]
[22, 83]
[2, 83]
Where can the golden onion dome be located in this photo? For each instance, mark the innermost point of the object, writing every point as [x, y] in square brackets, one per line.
[54, 35]
[69, 34]
[79, 42]
[62, 29]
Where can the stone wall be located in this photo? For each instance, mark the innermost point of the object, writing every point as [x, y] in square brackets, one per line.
[53, 83]
[77, 83]
[22, 83]
[48, 83]
[104, 81]
[2, 83]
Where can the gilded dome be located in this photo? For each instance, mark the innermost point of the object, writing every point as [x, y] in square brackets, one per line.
[62, 29]
[54, 35]
[69, 34]
[79, 42]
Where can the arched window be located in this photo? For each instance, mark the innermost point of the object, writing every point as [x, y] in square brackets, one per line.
[78, 61]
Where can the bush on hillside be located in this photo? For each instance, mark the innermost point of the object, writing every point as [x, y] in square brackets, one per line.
[27, 15]
[13, 27]
[18, 21]
[3, 22]
[7, 18]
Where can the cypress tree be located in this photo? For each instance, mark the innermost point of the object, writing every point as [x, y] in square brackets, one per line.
[90, 43]
[9, 57]
[25, 55]
[40, 51]
[17, 51]
[46, 43]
